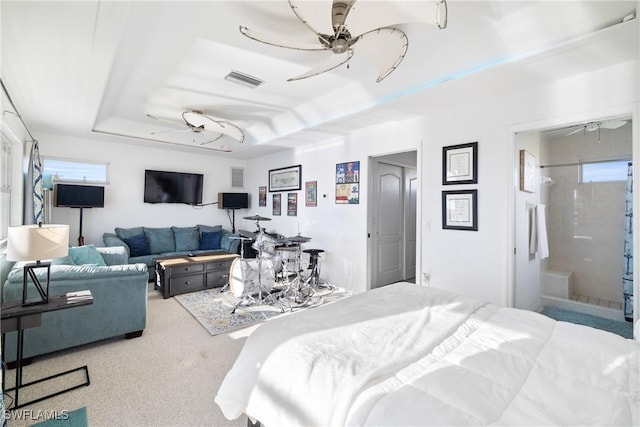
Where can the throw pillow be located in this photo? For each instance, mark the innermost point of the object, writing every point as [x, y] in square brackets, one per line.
[210, 240]
[65, 260]
[125, 233]
[87, 254]
[115, 255]
[208, 228]
[187, 238]
[138, 245]
[160, 240]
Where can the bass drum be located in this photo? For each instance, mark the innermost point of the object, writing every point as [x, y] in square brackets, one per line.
[243, 277]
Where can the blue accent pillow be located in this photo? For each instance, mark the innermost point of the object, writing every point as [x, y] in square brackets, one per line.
[210, 240]
[208, 228]
[138, 245]
[187, 238]
[160, 240]
[87, 254]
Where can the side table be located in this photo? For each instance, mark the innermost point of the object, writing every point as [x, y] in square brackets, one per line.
[15, 317]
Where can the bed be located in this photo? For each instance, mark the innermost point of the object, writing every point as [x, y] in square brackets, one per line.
[410, 355]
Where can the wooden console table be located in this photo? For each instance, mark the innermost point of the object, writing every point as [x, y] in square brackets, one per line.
[181, 274]
[15, 317]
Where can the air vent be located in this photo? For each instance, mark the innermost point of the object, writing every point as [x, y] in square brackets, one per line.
[237, 177]
[243, 79]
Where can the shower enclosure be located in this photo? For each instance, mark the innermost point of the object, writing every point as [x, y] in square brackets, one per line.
[582, 185]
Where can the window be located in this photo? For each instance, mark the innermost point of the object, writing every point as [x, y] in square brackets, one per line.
[5, 188]
[63, 170]
[615, 170]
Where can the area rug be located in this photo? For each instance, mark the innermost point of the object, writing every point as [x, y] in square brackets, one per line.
[624, 329]
[77, 418]
[214, 310]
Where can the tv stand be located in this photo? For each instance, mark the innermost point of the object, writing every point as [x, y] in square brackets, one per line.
[80, 236]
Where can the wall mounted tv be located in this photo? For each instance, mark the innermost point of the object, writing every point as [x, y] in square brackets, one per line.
[79, 196]
[172, 187]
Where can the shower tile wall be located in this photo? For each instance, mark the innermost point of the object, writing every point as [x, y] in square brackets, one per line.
[585, 222]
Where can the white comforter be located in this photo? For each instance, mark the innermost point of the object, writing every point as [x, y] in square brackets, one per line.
[409, 355]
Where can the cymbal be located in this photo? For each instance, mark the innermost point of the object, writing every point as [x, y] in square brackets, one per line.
[246, 233]
[257, 218]
[297, 239]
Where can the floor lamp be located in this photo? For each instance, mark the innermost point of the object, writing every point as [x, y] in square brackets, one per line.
[36, 243]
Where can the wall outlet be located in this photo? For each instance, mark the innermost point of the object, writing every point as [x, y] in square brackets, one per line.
[426, 278]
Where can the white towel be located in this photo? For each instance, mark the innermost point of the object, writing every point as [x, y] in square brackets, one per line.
[533, 231]
[541, 223]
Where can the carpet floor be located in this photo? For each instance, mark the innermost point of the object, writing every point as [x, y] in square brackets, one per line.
[624, 329]
[222, 312]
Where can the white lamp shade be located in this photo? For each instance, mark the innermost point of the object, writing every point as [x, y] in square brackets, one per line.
[35, 243]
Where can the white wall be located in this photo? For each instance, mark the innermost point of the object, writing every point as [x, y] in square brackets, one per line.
[124, 206]
[341, 230]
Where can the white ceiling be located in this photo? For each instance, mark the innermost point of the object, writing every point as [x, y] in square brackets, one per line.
[95, 68]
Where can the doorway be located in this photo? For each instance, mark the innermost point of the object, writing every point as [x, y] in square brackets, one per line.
[581, 196]
[392, 218]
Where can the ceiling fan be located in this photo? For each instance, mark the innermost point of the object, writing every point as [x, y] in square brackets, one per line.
[198, 122]
[368, 30]
[605, 124]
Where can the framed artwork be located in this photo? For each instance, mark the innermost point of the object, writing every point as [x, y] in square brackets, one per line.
[527, 172]
[347, 172]
[262, 196]
[460, 210]
[348, 194]
[285, 179]
[292, 204]
[460, 164]
[277, 199]
[311, 193]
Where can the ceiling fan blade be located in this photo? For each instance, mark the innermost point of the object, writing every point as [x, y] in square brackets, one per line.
[386, 47]
[275, 40]
[162, 119]
[367, 15]
[171, 131]
[339, 12]
[612, 124]
[212, 140]
[580, 129]
[334, 61]
[233, 131]
[314, 14]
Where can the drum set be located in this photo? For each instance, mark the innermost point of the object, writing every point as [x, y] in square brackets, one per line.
[277, 275]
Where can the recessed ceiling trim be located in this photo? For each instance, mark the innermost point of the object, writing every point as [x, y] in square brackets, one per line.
[243, 79]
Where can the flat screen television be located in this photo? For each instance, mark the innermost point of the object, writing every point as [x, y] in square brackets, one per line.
[79, 196]
[172, 187]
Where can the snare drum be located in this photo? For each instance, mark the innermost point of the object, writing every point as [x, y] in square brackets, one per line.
[243, 277]
[266, 244]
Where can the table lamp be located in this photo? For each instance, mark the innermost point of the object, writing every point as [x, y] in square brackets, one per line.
[36, 243]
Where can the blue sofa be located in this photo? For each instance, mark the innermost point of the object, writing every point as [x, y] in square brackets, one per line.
[145, 244]
[119, 304]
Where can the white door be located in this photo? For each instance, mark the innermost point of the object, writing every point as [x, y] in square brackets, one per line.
[389, 224]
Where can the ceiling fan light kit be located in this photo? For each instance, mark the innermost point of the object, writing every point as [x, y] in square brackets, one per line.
[342, 43]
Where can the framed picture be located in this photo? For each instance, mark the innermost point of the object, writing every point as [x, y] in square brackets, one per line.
[527, 172]
[348, 194]
[460, 164]
[277, 199]
[262, 196]
[460, 210]
[311, 193]
[292, 204]
[347, 172]
[285, 179]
